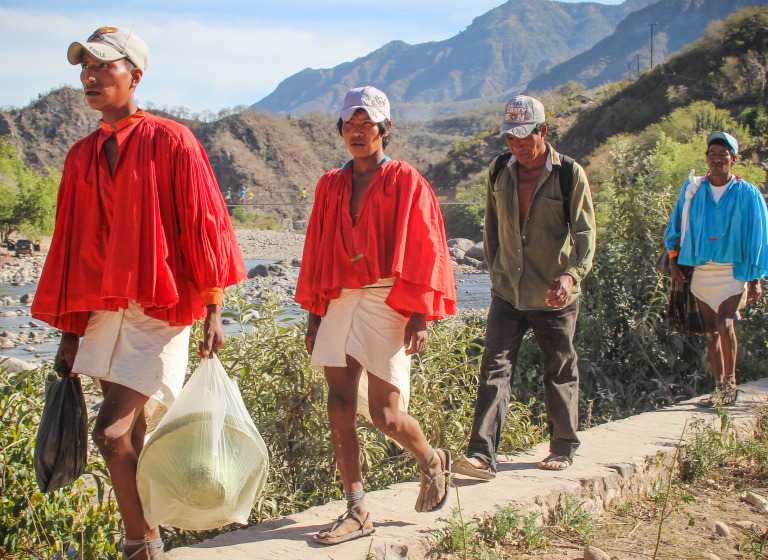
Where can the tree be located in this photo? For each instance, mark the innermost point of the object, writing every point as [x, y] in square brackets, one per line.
[27, 198]
[570, 89]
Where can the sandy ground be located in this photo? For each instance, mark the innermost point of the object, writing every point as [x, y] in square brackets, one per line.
[269, 245]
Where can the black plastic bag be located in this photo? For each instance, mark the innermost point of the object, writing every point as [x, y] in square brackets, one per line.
[61, 449]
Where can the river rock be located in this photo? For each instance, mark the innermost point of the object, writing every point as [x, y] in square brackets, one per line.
[746, 525]
[482, 266]
[7, 342]
[461, 243]
[710, 556]
[476, 252]
[456, 253]
[26, 298]
[469, 261]
[594, 553]
[296, 263]
[720, 528]
[9, 314]
[267, 270]
[755, 499]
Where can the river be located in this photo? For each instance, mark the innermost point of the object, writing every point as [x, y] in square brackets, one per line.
[472, 292]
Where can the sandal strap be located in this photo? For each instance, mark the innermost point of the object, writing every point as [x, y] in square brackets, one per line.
[558, 459]
[156, 548]
[346, 515]
[134, 542]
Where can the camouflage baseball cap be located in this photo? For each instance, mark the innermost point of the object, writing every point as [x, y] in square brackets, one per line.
[521, 115]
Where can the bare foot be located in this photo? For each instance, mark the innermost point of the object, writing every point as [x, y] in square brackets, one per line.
[347, 523]
[430, 496]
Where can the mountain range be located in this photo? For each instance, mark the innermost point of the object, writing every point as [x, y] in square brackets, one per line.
[522, 45]
[493, 58]
[680, 22]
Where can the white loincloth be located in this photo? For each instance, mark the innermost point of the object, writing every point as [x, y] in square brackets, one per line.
[713, 283]
[360, 324]
[131, 349]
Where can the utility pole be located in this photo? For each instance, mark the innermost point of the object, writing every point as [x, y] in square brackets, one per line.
[638, 64]
[651, 26]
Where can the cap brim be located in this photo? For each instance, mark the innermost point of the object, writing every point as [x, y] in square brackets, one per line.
[375, 115]
[720, 136]
[518, 130]
[97, 50]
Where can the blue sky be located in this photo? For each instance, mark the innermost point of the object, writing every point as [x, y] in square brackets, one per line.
[211, 55]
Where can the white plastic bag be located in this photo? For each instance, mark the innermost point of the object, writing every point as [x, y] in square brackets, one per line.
[206, 463]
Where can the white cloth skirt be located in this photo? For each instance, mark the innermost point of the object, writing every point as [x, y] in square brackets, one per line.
[360, 324]
[713, 283]
[131, 349]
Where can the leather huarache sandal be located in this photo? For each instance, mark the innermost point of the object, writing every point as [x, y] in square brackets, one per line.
[361, 532]
[155, 548]
[730, 396]
[432, 478]
[713, 400]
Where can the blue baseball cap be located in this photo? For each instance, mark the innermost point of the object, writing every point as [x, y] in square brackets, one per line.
[730, 140]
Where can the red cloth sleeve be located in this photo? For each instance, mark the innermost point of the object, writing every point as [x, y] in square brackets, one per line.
[424, 273]
[315, 300]
[212, 258]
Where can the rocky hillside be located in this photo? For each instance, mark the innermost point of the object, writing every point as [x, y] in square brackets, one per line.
[727, 66]
[680, 22]
[272, 156]
[493, 58]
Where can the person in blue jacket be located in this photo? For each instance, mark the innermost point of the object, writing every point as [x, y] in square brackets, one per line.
[723, 224]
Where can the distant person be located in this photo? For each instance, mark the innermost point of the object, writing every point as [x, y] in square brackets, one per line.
[726, 241]
[376, 268]
[250, 196]
[142, 248]
[303, 195]
[539, 242]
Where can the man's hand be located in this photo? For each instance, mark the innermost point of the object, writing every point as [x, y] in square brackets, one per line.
[416, 335]
[560, 291]
[65, 357]
[677, 272]
[213, 333]
[754, 291]
[312, 327]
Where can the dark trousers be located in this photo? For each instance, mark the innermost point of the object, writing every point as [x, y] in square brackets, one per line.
[553, 331]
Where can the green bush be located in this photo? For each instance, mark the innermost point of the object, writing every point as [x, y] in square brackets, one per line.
[34, 524]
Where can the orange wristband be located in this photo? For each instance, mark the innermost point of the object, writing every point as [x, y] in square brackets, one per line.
[212, 296]
[673, 253]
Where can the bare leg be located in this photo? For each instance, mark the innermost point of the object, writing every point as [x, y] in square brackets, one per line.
[722, 345]
[342, 410]
[119, 435]
[383, 400]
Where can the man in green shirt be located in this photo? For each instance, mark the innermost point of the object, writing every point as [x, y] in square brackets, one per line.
[539, 242]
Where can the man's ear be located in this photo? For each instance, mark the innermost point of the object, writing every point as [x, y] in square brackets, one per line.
[544, 130]
[136, 75]
[389, 129]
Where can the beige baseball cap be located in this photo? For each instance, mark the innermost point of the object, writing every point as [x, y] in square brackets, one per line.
[112, 43]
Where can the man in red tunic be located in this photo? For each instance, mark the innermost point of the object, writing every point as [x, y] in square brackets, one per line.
[142, 248]
[376, 268]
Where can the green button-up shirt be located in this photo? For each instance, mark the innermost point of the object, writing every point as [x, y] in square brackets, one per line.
[523, 264]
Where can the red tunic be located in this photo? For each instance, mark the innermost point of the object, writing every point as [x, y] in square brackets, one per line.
[399, 233]
[156, 232]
